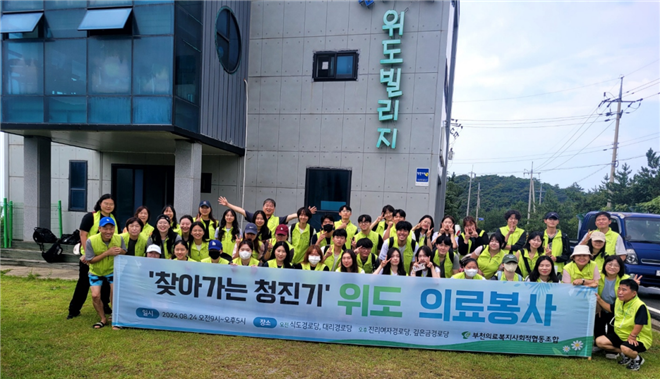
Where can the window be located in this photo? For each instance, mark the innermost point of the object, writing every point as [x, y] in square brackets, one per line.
[19, 22]
[228, 40]
[109, 110]
[66, 70]
[24, 68]
[335, 66]
[328, 189]
[109, 66]
[205, 183]
[77, 186]
[158, 19]
[152, 65]
[99, 19]
[63, 24]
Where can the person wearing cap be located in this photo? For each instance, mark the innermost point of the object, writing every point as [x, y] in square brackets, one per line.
[153, 251]
[470, 270]
[509, 270]
[164, 236]
[206, 216]
[281, 236]
[134, 239]
[250, 234]
[301, 235]
[216, 254]
[100, 252]
[513, 236]
[597, 245]
[269, 208]
[581, 271]
[365, 232]
[613, 241]
[365, 258]
[345, 213]
[89, 226]
[555, 243]
[489, 257]
[198, 248]
[633, 333]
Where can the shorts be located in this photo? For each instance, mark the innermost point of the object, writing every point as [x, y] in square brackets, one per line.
[617, 342]
[96, 280]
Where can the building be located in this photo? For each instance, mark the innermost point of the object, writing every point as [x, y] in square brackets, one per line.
[161, 102]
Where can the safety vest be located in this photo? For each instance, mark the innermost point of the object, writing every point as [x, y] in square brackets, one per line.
[148, 229]
[325, 241]
[227, 241]
[198, 255]
[501, 275]
[188, 259]
[610, 245]
[525, 259]
[600, 259]
[339, 270]
[141, 243]
[373, 237]
[447, 264]
[463, 237]
[369, 265]
[394, 233]
[274, 265]
[329, 260]
[300, 241]
[211, 228]
[105, 265]
[318, 267]
[272, 224]
[351, 230]
[575, 273]
[380, 228]
[557, 247]
[408, 253]
[221, 261]
[624, 314]
[273, 243]
[513, 237]
[601, 283]
[462, 276]
[95, 229]
[489, 264]
[253, 262]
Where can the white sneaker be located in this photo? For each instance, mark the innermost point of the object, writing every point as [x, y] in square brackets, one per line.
[612, 356]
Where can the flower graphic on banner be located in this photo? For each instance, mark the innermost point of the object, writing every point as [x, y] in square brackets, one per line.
[566, 349]
[577, 345]
[539, 289]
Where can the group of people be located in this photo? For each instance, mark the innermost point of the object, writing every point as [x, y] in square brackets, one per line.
[387, 245]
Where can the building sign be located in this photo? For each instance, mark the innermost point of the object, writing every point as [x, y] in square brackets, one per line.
[391, 77]
[422, 177]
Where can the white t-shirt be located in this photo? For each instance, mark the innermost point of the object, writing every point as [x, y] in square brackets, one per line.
[384, 251]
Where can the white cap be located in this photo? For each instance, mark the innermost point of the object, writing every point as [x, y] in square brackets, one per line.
[154, 248]
[581, 250]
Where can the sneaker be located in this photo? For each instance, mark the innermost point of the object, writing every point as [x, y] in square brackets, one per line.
[73, 315]
[596, 349]
[624, 360]
[612, 356]
[636, 364]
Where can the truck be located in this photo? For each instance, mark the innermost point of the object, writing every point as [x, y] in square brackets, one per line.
[641, 236]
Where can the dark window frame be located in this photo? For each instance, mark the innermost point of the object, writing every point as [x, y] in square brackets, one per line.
[205, 182]
[331, 74]
[71, 207]
[316, 220]
[232, 23]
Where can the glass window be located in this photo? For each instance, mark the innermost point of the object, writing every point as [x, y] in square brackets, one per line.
[328, 190]
[24, 68]
[335, 66]
[109, 110]
[109, 3]
[109, 65]
[152, 65]
[99, 19]
[19, 22]
[65, 67]
[228, 40]
[143, 2]
[77, 185]
[23, 109]
[194, 8]
[66, 109]
[64, 24]
[157, 19]
[65, 4]
[344, 65]
[22, 5]
[188, 27]
[187, 62]
[186, 115]
[152, 110]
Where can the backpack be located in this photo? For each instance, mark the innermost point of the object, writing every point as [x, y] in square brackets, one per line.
[42, 236]
[53, 255]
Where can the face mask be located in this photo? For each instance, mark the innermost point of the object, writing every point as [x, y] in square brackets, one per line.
[327, 228]
[314, 259]
[244, 254]
[510, 267]
[470, 273]
[214, 254]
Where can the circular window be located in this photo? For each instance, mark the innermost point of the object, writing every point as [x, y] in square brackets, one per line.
[228, 40]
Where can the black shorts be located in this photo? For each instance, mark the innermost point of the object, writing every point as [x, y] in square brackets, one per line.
[617, 342]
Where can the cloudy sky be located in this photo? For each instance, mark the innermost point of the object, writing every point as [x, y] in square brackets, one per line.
[531, 75]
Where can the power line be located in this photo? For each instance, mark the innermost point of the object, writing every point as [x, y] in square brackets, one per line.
[523, 120]
[643, 67]
[645, 84]
[589, 143]
[528, 127]
[586, 177]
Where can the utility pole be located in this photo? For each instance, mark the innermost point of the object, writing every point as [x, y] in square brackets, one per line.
[477, 203]
[471, 176]
[540, 195]
[614, 151]
[532, 191]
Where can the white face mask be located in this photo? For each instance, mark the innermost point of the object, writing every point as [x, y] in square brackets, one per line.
[510, 267]
[244, 254]
[314, 259]
[470, 273]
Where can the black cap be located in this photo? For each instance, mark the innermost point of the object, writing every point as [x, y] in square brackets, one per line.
[551, 215]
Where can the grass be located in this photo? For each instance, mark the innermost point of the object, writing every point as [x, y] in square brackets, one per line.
[37, 342]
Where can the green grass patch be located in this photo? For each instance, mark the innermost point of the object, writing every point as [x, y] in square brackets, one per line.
[38, 342]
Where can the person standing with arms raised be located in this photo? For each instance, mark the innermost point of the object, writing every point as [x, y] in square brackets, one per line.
[269, 208]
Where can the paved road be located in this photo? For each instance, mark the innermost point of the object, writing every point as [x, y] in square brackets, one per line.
[651, 296]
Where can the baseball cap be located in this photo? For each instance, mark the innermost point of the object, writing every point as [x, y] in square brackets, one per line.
[105, 221]
[598, 236]
[251, 228]
[204, 203]
[509, 258]
[551, 215]
[281, 229]
[581, 250]
[215, 244]
[153, 248]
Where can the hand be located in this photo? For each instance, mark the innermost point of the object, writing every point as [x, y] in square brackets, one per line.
[587, 237]
[354, 244]
[82, 259]
[383, 263]
[238, 241]
[114, 251]
[429, 233]
[313, 209]
[501, 267]
[512, 229]
[223, 201]
[429, 265]
[637, 278]
[320, 239]
[633, 340]
[418, 225]
[474, 234]
[390, 224]
[577, 282]
[548, 251]
[553, 258]
[342, 226]
[381, 217]
[269, 246]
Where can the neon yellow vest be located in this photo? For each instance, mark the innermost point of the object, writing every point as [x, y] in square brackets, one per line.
[490, 264]
[351, 230]
[272, 263]
[198, 255]
[373, 237]
[221, 261]
[610, 245]
[94, 230]
[319, 267]
[148, 229]
[368, 266]
[624, 314]
[407, 254]
[380, 228]
[601, 283]
[517, 278]
[188, 259]
[104, 266]
[227, 241]
[448, 264]
[253, 262]
[141, 243]
[463, 238]
[586, 273]
[272, 224]
[462, 276]
[514, 237]
[300, 241]
[524, 256]
[557, 247]
[329, 260]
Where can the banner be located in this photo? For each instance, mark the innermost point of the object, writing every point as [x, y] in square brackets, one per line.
[363, 309]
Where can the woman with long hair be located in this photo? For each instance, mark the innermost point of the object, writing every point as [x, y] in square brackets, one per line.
[528, 256]
[206, 216]
[348, 263]
[228, 231]
[392, 265]
[312, 260]
[543, 271]
[424, 267]
[169, 211]
[163, 236]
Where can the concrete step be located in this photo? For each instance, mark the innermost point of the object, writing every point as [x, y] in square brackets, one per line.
[69, 266]
[35, 255]
[31, 245]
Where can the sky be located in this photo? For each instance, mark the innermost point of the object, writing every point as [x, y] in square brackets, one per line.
[553, 62]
